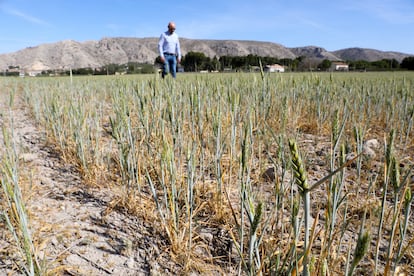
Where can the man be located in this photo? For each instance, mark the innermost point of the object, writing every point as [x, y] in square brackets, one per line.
[169, 49]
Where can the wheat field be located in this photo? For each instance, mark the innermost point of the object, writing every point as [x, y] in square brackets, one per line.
[243, 173]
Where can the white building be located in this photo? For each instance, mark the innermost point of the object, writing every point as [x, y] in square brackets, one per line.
[274, 68]
[339, 66]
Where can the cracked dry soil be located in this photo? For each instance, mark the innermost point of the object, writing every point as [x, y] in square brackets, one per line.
[70, 223]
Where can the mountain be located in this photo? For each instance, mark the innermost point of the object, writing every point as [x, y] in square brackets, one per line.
[368, 54]
[72, 54]
[314, 52]
[236, 48]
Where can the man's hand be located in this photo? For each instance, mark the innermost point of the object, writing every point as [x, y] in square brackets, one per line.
[162, 59]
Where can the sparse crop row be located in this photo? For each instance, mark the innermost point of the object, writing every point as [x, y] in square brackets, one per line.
[13, 213]
[254, 173]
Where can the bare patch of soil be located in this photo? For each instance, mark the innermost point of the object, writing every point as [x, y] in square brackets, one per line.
[71, 225]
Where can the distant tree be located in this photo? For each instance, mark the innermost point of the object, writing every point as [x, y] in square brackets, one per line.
[215, 64]
[112, 68]
[294, 64]
[359, 65]
[239, 62]
[325, 65]
[408, 63]
[252, 60]
[13, 73]
[82, 71]
[394, 64]
[226, 61]
[269, 60]
[298, 63]
[307, 64]
[195, 61]
[131, 67]
[383, 64]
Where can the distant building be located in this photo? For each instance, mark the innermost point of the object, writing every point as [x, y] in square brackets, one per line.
[34, 73]
[274, 68]
[339, 66]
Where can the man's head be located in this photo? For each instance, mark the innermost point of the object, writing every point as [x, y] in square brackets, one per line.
[171, 27]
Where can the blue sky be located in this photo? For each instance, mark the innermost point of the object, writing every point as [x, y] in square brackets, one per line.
[332, 24]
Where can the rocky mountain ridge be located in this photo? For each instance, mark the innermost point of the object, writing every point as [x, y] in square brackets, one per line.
[119, 50]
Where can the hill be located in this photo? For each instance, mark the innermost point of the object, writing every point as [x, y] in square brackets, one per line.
[368, 54]
[73, 54]
[314, 52]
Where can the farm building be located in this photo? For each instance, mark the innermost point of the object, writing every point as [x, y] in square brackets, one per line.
[274, 68]
[339, 66]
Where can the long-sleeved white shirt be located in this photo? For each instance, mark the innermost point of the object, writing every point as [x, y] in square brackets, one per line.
[169, 43]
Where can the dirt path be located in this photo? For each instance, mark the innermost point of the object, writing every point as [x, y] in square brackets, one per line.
[70, 223]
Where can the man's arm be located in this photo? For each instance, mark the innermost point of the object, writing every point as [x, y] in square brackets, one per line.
[178, 50]
[160, 46]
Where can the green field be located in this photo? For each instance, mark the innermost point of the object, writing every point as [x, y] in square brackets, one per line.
[243, 155]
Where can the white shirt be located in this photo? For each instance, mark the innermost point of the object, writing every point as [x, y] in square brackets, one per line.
[169, 43]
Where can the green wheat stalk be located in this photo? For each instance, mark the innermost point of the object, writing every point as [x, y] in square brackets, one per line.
[16, 217]
[300, 177]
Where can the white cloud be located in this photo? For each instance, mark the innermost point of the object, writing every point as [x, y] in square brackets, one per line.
[25, 16]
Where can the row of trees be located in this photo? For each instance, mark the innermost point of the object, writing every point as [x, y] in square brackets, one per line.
[112, 69]
[197, 61]
[408, 63]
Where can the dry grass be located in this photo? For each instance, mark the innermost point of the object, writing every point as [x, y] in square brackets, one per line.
[206, 159]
